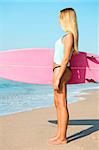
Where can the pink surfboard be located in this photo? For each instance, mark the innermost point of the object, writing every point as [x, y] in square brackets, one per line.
[36, 66]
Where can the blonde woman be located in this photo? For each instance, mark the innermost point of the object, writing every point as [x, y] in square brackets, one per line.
[64, 48]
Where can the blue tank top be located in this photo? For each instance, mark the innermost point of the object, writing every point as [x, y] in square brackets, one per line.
[59, 51]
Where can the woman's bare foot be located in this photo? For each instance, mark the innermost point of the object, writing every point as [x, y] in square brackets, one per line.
[58, 141]
[54, 138]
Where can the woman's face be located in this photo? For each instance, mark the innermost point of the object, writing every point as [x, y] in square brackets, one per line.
[62, 20]
[62, 24]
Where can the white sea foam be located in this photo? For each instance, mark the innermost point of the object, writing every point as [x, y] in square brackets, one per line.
[17, 97]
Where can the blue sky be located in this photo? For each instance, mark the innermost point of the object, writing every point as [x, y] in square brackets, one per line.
[35, 24]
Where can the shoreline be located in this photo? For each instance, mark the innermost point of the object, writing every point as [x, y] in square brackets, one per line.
[81, 98]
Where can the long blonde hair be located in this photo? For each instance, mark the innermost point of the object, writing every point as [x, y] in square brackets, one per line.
[68, 19]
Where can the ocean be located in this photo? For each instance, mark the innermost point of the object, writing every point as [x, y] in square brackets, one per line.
[19, 97]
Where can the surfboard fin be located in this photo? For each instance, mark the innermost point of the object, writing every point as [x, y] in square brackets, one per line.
[91, 80]
[90, 56]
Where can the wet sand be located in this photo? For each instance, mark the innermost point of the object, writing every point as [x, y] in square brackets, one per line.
[31, 130]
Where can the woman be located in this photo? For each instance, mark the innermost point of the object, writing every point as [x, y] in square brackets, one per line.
[64, 48]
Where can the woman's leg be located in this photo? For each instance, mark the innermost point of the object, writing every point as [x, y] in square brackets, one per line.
[64, 114]
[62, 110]
[58, 115]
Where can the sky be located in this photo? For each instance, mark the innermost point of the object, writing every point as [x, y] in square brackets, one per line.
[35, 23]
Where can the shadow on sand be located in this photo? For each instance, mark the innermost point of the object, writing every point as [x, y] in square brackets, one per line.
[94, 127]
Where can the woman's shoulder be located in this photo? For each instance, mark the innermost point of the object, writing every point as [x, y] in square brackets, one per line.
[67, 36]
[68, 33]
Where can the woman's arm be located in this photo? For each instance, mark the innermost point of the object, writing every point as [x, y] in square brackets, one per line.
[68, 44]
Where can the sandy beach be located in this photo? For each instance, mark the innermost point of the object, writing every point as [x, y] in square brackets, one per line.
[31, 130]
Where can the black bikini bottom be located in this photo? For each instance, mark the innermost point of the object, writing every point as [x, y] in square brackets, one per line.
[60, 66]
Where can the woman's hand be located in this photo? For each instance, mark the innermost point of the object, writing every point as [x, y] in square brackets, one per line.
[75, 53]
[56, 82]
